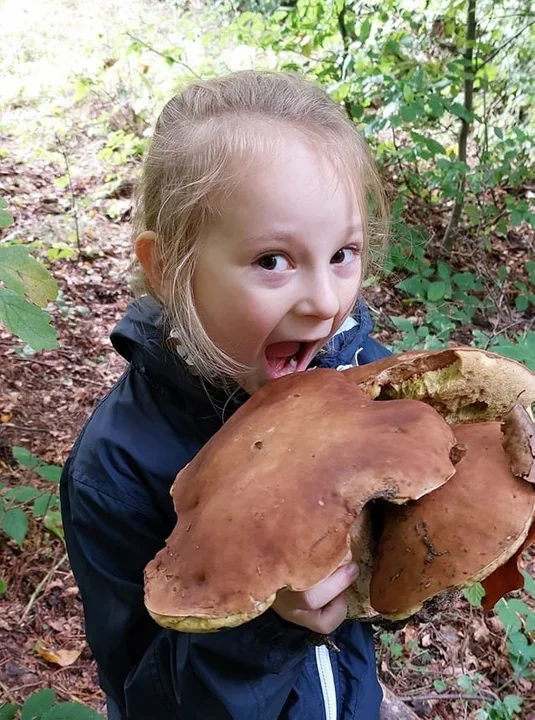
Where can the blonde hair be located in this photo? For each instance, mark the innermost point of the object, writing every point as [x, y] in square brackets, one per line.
[191, 168]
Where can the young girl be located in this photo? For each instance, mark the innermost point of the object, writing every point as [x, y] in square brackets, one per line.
[259, 206]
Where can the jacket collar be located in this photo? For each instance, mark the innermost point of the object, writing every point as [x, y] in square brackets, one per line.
[141, 338]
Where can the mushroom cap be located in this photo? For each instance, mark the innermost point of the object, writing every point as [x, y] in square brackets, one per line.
[519, 443]
[269, 501]
[507, 577]
[464, 384]
[458, 534]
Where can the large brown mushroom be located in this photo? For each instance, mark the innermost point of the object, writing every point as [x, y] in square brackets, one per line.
[276, 498]
[269, 502]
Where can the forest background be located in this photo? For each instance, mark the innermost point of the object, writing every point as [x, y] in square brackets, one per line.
[444, 92]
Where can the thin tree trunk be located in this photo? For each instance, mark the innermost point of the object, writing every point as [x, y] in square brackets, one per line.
[469, 72]
[346, 39]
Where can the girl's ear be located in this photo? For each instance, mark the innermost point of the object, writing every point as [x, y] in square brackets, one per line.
[145, 254]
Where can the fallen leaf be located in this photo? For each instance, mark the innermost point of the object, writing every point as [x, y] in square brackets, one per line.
[482, 633]
[59, 657]
[6, 417]
[426, 640]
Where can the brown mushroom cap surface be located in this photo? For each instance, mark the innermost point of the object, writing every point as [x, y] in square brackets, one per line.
[507, 577]
[458, 534]
[464, 384]
[519, 443]
[269, 501]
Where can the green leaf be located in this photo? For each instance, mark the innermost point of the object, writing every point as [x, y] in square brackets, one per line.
[38, 704]
[519, 606]
[25, 458]
[3, 589]
[52, 473]
[15, 525]
[396, 650]
[443, 270]
[513, 703]
[440, 685]
[521, 303]
[42, 504]
[473, 213]
[7, 711]
[402, 323]
[53, 523]
[412, 111]
[436, 290]
[6, 218]
[436, 105]
[465, 280]
[461, 112]
[28, 322]
[26, 276]
[22, 494]
[508, 617]
[474, 594]
[529, 583]
[365, 30]
[408, 94]
[71, 711]
[465, 682]
[435, 147]
[413, 286]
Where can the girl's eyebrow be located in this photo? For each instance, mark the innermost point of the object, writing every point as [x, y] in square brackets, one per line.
[290, 237]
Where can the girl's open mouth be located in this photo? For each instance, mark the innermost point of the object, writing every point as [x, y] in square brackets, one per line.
[284, 358]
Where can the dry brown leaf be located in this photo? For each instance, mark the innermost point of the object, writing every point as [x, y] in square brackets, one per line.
[426, 640]
[63, 658]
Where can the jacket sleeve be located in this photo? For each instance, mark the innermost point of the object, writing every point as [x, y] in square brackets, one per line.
[241, 673]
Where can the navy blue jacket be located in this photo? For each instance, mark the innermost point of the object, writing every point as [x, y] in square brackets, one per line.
[117, 513]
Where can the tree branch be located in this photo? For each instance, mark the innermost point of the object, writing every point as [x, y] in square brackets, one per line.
[505, 44]
[165, 56]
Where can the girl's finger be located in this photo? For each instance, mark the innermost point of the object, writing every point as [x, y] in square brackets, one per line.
[324, 592]
[327, 619]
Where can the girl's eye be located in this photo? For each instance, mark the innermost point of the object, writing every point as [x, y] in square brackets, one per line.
[344, 256]
[273, 263]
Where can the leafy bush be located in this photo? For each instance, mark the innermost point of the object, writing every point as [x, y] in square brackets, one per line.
[42, 705]
[18, 502]
[28, 287]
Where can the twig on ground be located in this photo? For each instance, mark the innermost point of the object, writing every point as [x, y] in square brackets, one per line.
[8, 695]
[447, 696]
[26, 428]
[40, 587]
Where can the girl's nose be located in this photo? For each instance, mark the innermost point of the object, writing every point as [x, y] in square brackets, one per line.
[318, 297]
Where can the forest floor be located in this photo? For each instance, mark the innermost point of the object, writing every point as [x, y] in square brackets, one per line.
[46, 398]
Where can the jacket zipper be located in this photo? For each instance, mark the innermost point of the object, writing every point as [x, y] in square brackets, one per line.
[328, 688]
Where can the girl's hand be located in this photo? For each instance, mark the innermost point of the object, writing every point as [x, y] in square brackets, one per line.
[323, 607]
